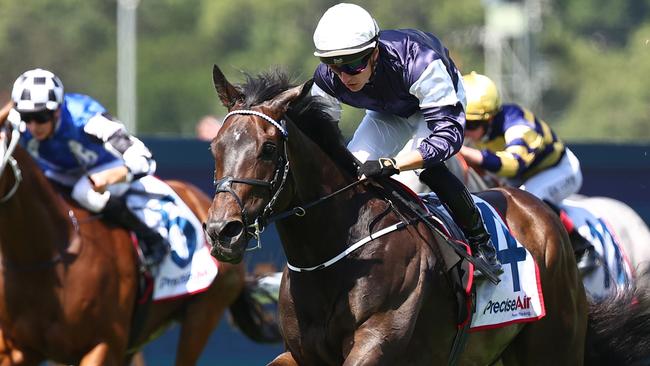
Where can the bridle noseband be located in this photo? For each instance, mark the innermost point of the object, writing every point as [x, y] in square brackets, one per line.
[275, 186]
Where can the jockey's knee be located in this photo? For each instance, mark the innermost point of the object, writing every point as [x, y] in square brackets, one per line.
[87, 197]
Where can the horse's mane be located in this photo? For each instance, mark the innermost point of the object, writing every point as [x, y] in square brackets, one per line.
[310, 114]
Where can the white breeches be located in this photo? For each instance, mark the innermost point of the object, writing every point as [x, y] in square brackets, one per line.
[381, 135]
[556, 183]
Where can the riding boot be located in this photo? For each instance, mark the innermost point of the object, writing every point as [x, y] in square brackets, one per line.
[154, 246]
[585, 253]
[458, 201]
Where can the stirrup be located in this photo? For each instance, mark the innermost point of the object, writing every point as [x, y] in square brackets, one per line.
[483, 267]
[588, 261]
[492, 274]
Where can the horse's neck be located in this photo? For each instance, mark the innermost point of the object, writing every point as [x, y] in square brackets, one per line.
[323, 231]
[32, 223]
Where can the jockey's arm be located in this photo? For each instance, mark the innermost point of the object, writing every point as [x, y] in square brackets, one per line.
[409, 161]
[444, 140]
[138, 160]
[472, 156]
[101, 180]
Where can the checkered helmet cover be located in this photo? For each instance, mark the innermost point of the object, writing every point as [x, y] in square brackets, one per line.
[37, 90]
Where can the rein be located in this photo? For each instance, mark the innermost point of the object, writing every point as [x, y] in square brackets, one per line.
[224, 185]
[279, 179]
[7, 157]
[7, 150]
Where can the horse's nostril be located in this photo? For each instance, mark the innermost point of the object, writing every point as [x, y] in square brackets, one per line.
[232, 229]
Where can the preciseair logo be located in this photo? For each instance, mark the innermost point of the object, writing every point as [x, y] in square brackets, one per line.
[521, 303]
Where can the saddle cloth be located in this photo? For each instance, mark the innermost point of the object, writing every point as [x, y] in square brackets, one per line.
[518, 297]
[188, 268]
[614, 271]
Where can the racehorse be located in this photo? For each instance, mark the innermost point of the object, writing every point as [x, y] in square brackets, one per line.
[279, 157]
[69, 282]
[628, 228]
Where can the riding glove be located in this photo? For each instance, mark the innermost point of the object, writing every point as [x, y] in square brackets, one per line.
[384, 167]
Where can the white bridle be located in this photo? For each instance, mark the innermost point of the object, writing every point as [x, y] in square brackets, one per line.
[7, 147]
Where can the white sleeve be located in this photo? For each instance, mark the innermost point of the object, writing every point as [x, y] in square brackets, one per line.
[137, 157]
[435, 88]
[335, 109]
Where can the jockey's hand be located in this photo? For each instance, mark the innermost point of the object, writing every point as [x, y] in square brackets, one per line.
[472, 156]
[7, 112]
[384, 167]
[101, 180]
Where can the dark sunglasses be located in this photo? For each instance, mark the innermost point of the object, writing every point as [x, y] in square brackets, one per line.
[40, 117]
[352, 68]
[474, 125]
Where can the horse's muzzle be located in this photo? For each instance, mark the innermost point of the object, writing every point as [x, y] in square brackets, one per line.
[227, 238]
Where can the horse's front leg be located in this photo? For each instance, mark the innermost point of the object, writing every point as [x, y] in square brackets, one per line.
[102, 354]
[374, 346]
[383, 337]
[285, 359]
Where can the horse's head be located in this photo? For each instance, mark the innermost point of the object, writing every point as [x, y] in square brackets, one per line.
[251, 166]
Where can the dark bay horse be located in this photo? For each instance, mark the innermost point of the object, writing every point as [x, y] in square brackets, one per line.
[279, 157]
[68, 281]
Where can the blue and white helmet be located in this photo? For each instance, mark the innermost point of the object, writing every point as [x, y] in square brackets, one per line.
[37, 90]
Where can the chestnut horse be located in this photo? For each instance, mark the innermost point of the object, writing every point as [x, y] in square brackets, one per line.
[68, 281]
[279, 157]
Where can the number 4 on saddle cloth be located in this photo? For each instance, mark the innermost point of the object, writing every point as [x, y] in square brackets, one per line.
[518, 297]
[188, 268]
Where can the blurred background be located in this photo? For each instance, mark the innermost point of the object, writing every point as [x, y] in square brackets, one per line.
[581, 65]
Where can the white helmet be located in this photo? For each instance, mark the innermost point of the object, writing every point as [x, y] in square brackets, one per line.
[37, 90]
[344, 29]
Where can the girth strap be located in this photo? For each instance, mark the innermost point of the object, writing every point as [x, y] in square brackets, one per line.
[349, 249]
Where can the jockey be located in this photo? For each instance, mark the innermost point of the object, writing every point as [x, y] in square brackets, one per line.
[79, 145]
[514, 144]
[413, 95]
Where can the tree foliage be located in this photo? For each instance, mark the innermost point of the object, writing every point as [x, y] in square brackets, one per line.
[597, 52]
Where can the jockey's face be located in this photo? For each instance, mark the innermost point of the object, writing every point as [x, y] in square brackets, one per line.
[358, 81]
[475, 131]
[41, 128]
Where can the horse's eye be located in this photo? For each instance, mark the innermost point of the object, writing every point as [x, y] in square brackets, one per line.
[268, 151]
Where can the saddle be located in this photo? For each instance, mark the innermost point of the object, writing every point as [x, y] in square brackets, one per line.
[459, 272]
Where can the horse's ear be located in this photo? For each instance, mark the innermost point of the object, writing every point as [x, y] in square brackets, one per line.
[282, 101]
[228, 94]
[306, 88]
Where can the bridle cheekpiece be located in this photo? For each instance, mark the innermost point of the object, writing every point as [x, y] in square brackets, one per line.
[275, 186]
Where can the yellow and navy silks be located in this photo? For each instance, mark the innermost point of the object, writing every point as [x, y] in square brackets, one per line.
[518, 145]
